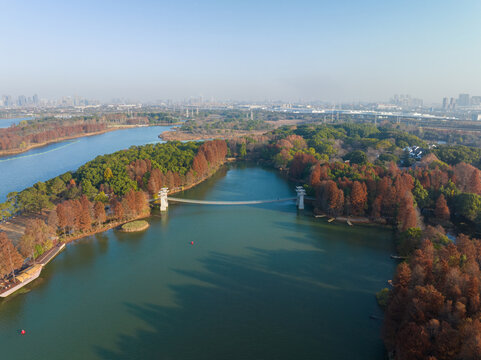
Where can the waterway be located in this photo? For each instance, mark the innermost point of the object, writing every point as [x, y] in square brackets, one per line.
[5, 123]
[260, 282]
[40, 164]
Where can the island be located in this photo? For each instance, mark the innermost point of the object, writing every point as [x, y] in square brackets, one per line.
[134, 226]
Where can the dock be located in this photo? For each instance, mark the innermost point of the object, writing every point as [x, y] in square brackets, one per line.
[31, 273]
[47, 256]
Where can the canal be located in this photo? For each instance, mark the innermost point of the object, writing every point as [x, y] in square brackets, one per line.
[260, 282]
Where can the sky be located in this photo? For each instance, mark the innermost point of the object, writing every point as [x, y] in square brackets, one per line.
[337, 51]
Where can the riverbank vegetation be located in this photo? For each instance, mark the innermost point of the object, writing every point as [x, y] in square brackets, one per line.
[37, 132]
[107, 191]
[433, 307]
[424, 191]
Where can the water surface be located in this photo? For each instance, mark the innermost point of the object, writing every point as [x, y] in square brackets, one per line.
[5, 123]
[40, 164]
[260, 282]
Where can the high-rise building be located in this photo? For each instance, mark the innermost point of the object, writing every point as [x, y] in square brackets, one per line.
[463, 100]
[35, 99]
[21, 100]
[452, 104]
[445, 103]
[476, 100]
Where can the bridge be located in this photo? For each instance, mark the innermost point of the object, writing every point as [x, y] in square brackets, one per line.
[164, 200]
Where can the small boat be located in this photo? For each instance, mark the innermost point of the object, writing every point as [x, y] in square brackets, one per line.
[319, 216]
[331, 220]
[398, 257]
[349, 222]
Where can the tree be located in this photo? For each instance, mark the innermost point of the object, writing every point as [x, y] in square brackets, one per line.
[358, 198]
[10, 259]
[99, 213]
[108, 174]
[36, 239]
[407, 217]
[243, 150]
[468, 205]
[85, 220]
[356, 157]
[442, 211]
[88, 189]
[117, 209]
[57, 186]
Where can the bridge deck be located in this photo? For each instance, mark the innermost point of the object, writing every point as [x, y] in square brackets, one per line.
[206, 202]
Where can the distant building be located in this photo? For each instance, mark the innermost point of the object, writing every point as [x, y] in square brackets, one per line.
[476, 100]
[452, 104]
[35, 99]
[463, 100]
[406, 101]
[476, 117]
[21, 100]
[445, 103]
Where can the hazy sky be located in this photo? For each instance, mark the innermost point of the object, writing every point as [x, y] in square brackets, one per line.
[336, 50]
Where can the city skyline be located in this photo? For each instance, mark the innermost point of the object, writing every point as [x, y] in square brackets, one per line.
[335, 52]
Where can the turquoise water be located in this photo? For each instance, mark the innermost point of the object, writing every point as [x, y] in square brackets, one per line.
[40, 164]
[260, 282]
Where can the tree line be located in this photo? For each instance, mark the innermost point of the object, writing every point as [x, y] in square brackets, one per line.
[110, 189]
[433, 309]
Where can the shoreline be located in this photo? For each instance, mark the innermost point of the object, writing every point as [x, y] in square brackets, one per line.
[177, 135]
[116, 224]
[11, 152]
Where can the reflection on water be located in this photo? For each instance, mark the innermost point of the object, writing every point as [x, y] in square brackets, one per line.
[260, 282]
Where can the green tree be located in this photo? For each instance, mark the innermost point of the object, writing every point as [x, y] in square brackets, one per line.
[468, 205]
[108, 174]
[356, 157]
[243, 150]
[88, 189]
[57, 186]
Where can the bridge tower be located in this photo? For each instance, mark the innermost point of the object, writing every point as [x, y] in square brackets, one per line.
[301, 192]
[164, 204]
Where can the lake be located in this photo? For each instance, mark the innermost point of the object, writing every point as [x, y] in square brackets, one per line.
[40, 164]
[5, 123]
[260, 282]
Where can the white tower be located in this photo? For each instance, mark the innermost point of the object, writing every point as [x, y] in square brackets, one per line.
[301, 192]
[164, 204]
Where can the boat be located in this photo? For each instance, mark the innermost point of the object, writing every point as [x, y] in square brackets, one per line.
[23, 278]
[319, 216]
[331, 220]
[398, 257]
[349, 222]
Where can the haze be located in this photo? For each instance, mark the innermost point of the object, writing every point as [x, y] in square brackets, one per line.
[243, 50]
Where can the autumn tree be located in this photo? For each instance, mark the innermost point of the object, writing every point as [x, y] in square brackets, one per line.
[358, 198]
[85, 219]
[36, 239]
[10, 258]
[442, 211]
[407, 217]
[99, 213]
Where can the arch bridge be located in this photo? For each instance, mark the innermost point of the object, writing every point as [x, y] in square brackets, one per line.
[164, 200]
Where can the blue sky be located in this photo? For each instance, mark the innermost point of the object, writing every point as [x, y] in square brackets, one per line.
[249, 50]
